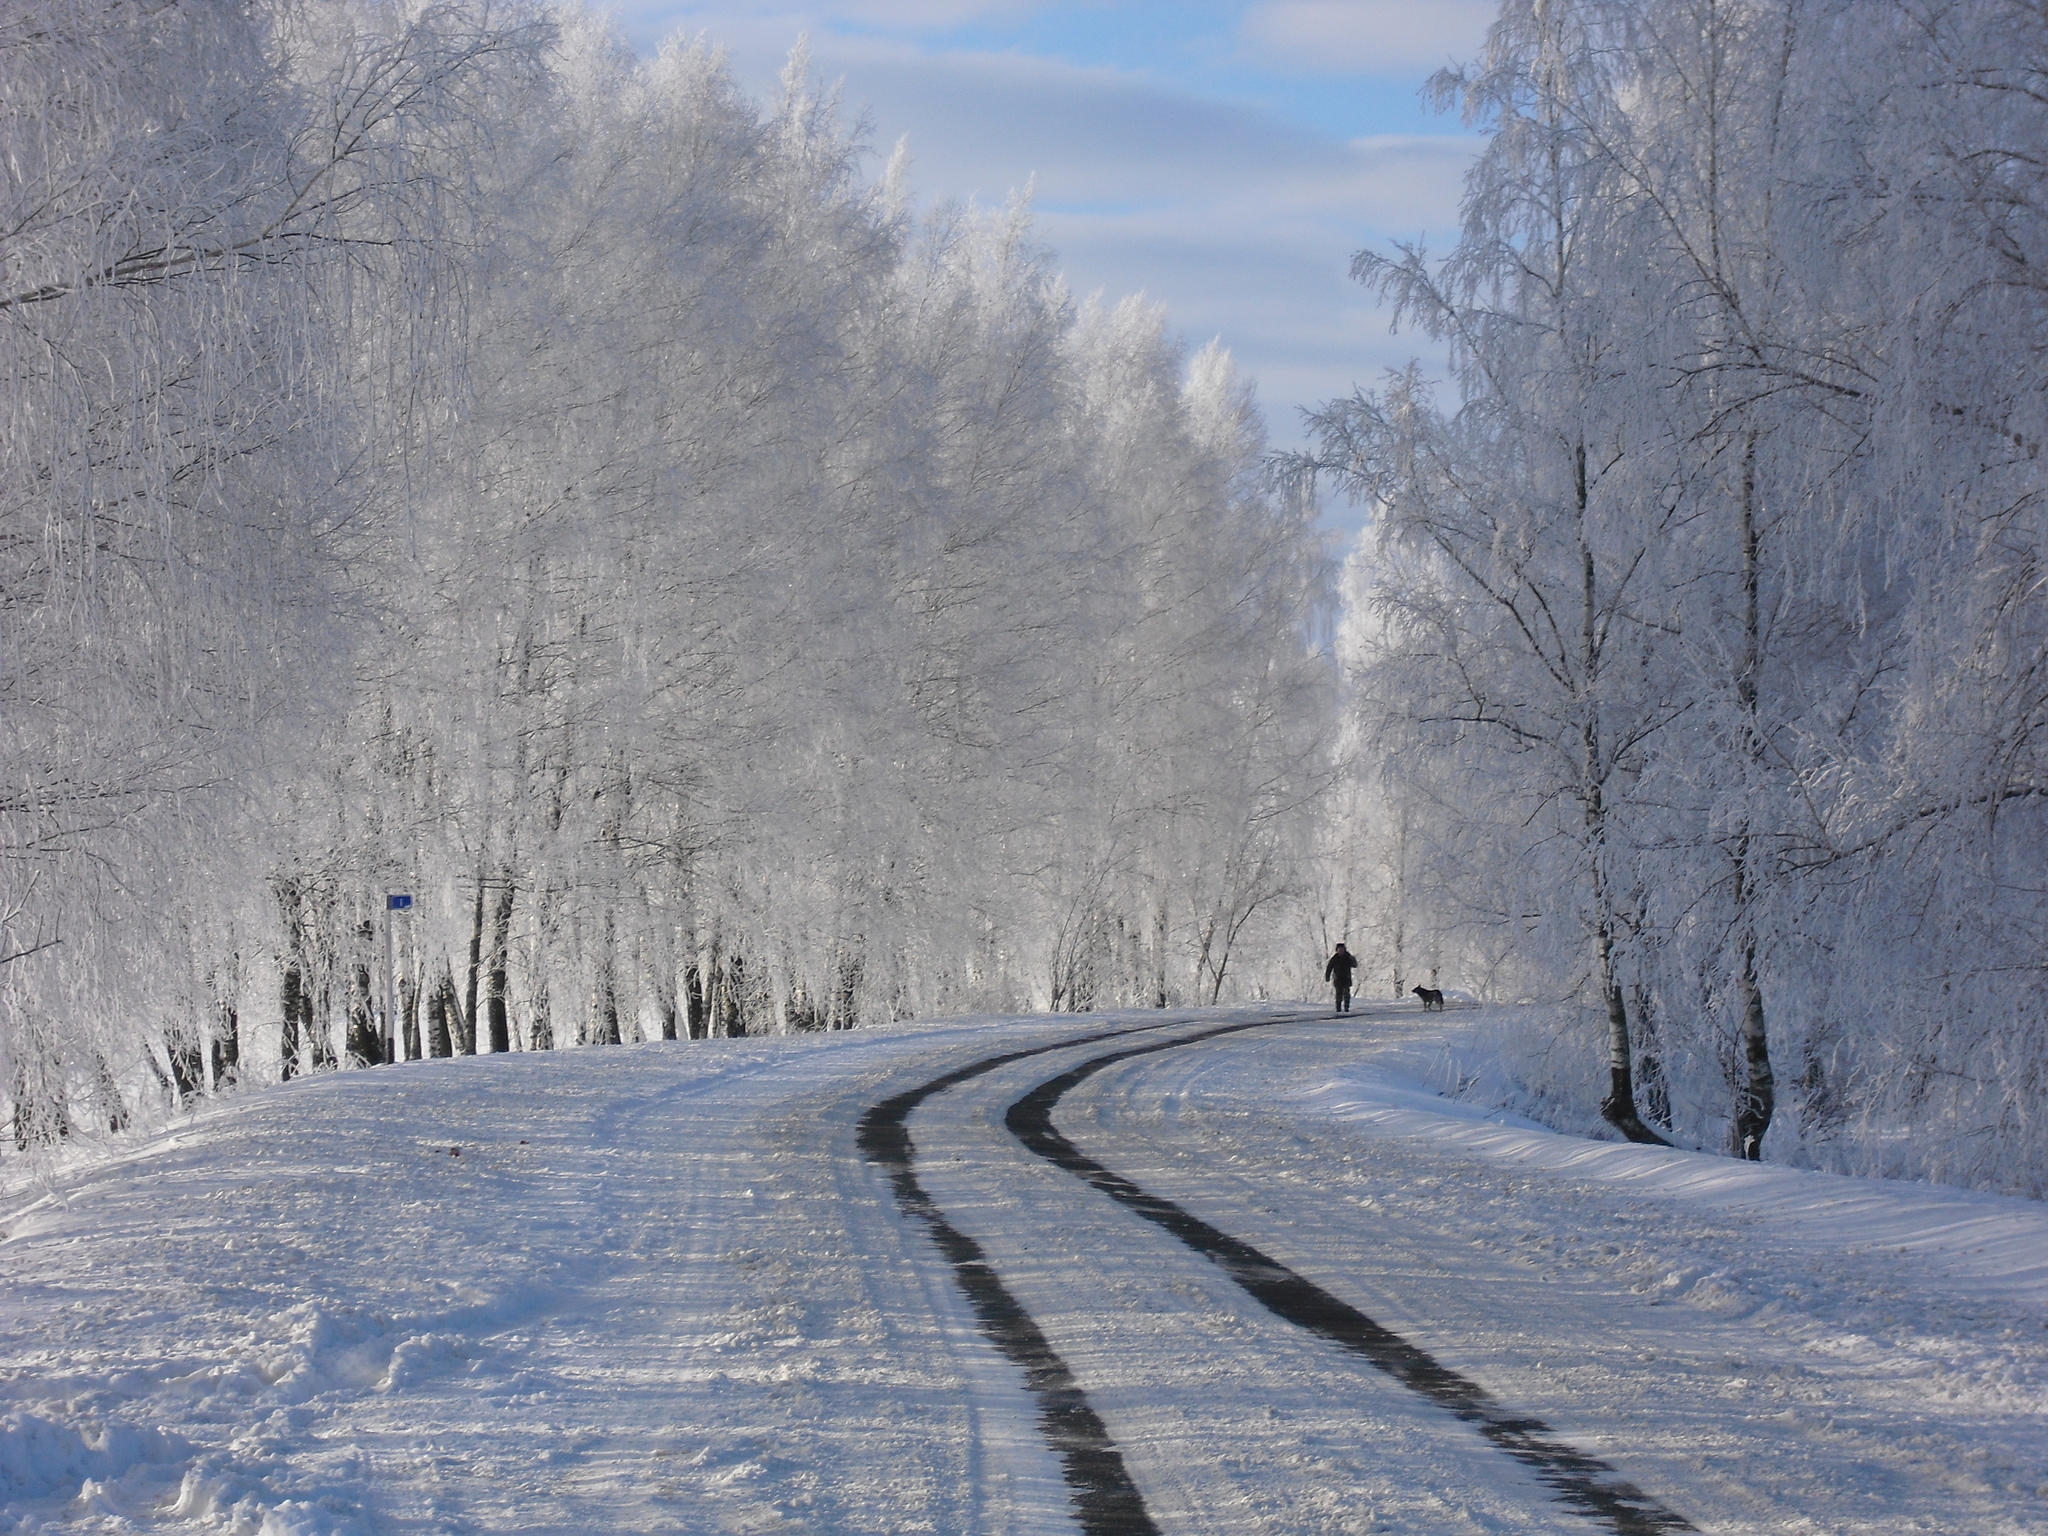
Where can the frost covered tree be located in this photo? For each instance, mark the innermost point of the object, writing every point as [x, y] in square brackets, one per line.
[451, 455]
[192, 195]
[1523, 620]
[1811, 472]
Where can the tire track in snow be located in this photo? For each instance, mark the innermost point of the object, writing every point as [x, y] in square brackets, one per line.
[1106, 1500]
[1581, 1482]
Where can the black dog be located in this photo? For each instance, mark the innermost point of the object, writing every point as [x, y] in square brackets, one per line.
[1431, 998]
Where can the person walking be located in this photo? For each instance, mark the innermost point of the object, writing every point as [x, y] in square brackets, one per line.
[1338, 971]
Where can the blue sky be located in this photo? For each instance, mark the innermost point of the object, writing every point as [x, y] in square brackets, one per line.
[1225, 159]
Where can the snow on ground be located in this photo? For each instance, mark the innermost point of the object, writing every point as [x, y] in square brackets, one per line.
[1991, 1248]
[659, 1289]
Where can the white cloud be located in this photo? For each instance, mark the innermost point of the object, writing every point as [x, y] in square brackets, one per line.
[903, 15]
[1416, 184]
[1242, 223]
[987, 122]
[648, 20]
[1267, 267]
[1376, 37]
[917, 14]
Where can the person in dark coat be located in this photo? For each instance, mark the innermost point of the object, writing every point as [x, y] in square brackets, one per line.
[1338, 972]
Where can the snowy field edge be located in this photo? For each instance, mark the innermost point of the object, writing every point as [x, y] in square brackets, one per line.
[1992, 1246]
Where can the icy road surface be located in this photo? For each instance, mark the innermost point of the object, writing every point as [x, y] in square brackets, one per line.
[676, 1288]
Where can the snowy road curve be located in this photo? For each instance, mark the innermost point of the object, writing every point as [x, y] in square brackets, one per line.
[1583, 1483]
[665, 1288]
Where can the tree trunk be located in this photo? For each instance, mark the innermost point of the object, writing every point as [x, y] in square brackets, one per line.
[227, 1044]
[40, 1118]
[438, 999]
[1400, 906]
[291, 1002]
[461, 1028]
[1756, 1096]
[540, 1031]
[696, 1005]
[474, 987]
[1159, 936]
[846, 991]
[1220, 966]
[188, 1068]
[1756, 1099]
[1650, 1060]
[409, 1012]
[365, 1044]
[1202, 956]
[319, 1023]
[294, 1006]
[496, 975]
[732, 988]
[608, 988]
[540, 1034]
[113, 1109]
[1618, 1109]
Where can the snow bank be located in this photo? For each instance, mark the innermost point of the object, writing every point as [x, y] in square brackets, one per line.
[38, 1455]
[1990, 1247]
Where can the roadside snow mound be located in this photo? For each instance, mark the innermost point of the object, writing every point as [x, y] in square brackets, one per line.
[40, 1456]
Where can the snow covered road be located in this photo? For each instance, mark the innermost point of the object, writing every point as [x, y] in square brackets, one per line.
[1107, 1499]
[663, 1288]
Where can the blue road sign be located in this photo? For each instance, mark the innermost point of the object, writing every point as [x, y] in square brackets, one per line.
[397, 903]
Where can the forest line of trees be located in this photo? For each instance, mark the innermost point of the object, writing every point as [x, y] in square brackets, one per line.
[1701, 643]
[447, 454]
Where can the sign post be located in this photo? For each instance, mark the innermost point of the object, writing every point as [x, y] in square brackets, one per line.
[394, 903]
